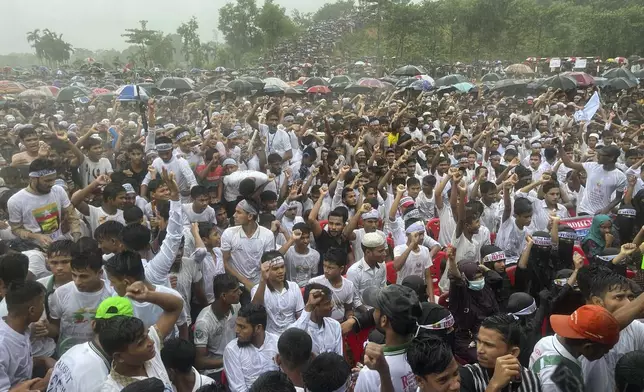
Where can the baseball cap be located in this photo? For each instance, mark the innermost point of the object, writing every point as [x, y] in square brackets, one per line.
[114, 306]
[395, 301]
[590, 322]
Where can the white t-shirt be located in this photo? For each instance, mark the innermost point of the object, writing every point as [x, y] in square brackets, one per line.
[189, 274]
[98, 216]
[39, 213]
[426, 206]
[278, 143]
[300, 268]
[90, 170]
[326, 338]
[211, 264]
[341, 296]
[246, 252]
[190, 216]
[600, 186]
[15, 357]
[416, 264]
[545, 353]
[82, 368]
[448, 224]
[214, 333]
[37, 263]
[232, 181]
[282, 307]
[511, 240]
[200, 381]
[402, 377]
[149, 313]
[75, 310]
[154, 368]
[244, 364]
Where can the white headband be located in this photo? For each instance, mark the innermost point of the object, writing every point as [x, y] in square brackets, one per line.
[527, 311]
[372, 214]
[542, 241]
[447, 322]
[568, 235]
[244, 205]
[42, 173]
[182, 135]
[627, 212]
[275, 262]
[415, 227]
[164, 147]
[494, 256]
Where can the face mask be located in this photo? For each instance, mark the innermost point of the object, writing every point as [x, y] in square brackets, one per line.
[476, 285]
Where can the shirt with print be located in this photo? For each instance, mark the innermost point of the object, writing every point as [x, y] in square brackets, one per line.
[39, 213]
[214, 333]
[83, 368]
[300, 268]
[90, 170]
[402, 377]
[340, 296]
[416, 264]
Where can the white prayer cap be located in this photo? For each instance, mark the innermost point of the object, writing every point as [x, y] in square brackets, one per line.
[373, 240]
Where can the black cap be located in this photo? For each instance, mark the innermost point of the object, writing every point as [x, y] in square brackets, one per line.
[415, 283]
[395, 301]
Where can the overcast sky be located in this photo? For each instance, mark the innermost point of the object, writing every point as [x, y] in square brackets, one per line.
[98, 24]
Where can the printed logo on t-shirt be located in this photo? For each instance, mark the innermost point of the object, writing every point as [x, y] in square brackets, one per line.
[47, 218]
[83, 315]
[408, 382]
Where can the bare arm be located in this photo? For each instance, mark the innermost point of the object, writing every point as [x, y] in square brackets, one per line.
[312, 220]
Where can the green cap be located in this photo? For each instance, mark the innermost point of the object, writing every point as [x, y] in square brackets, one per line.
[114, 306]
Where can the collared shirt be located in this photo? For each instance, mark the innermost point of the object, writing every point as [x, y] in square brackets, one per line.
[326, 338]
[244, 364]
[246, 252]
[215, 333]
[282, 307]
[363, 276]
[541, 215]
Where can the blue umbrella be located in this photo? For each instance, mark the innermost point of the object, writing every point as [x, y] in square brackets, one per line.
[128, 93]
[464, 86]
[420, 85]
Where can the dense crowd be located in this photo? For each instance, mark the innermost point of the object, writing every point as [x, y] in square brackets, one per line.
[353, 242]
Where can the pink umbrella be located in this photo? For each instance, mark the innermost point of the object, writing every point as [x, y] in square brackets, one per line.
[301, 80]
[99, 91]
[54, 90]
[319, 90]
[582, 78]
[371, 82]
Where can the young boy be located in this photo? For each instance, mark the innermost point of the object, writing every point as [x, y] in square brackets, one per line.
[412, 258]
[208, 254]
[112, 207]
[301, 261]
[425, 199]
[59, 258]
[514, 227]
[342, 290]
[93, 165]
[108, 236]
[199, 210]
[157, 190]
[433, 364]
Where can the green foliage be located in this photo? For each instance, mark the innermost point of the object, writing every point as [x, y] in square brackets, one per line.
[274, 24]
[50, 47]
[192, 49]
[332, 11]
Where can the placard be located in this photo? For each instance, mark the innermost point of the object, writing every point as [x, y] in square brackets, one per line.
[580, 63]
[555, 63]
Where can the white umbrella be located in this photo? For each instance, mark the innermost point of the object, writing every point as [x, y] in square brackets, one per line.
[277, 82]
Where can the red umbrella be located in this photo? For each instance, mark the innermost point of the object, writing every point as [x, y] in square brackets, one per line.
[301, 80]
[319, 90]
[99, 91]
[582, 78]
[11, 87]
[371, 82]
[54, 90]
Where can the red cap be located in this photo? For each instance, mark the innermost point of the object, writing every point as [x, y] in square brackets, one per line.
[590, 322]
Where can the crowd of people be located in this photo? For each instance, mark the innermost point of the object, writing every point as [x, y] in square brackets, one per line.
[357, 242]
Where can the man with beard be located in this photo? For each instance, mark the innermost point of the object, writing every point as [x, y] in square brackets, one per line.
[331, 236]
[37, 212]
[370, 271]
[252, 352]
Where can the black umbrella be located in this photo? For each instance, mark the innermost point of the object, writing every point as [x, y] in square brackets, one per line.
[639, 74]
[491, 77]
[272, 91]
[619, 73]
[404, 82]
[562, 82]
[621, 83]
[390, 79]
[451, 80]
[291, 92]
[257, 83]
[339, 86]
[316, 81]
[340, 79]
[175, 83]
[241, 87]
[409, 70]
[357, 89]
[509, 85]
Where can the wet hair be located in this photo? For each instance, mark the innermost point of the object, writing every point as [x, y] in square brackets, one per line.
[132, 215]
[336, 256]
[39, 164]
[522, 206]
[108, 230]
[136, 237]
[223, 283]
[274, 158]
[629, 376]
[247, 187]
[295, 346]
[199, 190]
[126, 264]
[119, 332]
[507, 326]
[86, 255]
[412, 181]
[603, 283]
[327, 372]
[19, 294]
[163, 209]
[14, 267]
[112, 190]
[549, 185]
[135, 147]
[151, 384]
[205, 228]
[153, 186]
[272, 381]
[255, 314]
[179, 354]
[26, 132]
[487, 186]
[340, 213]
[429, 355]
[91, 142]
[317, 286]
[62, 247]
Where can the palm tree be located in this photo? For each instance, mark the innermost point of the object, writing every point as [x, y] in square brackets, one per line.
[34, 38]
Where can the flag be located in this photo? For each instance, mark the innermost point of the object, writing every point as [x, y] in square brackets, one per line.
[589, 110]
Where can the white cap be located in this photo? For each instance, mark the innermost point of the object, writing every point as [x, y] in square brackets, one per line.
[373, 240]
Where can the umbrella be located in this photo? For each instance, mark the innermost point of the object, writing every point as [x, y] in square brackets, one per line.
[404, 82]
[11, 87]
[272, 91]
[639, 74]
[357, 89]
[409, 70]
[220, 69]
[68, 94]
[241, 87]
[420, 85]
[619, 73]
[175, 83]
[491, 77]
[99, 91]
[389, 79]
[621, 83]
[359, 63]
[290, 91]
[561, 81]
[35, 93]
[371, 82]
[464, 86]
[318, 90]
[316, 81]
[509, 85]
[450, 80]
[108, 96]
[582, 78]
[128, 93]
[340, 79]
[341, 86]
[425, 77]
[54, 90]
[519, 69]
[257, 83]
[600, 82]
[275, 82]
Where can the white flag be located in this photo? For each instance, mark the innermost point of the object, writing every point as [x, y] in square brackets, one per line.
[589, 110]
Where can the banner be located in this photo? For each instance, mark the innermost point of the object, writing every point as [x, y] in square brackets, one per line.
[580, 224]
[555, 63]
[580, 63]
[589, 110]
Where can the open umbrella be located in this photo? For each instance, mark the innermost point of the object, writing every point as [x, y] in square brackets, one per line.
[318, 90]
[491, 77]
[425, 77]
[464, 87]
[450, 80]
[619, 73]
[404, 82]
[316, 81]
[220, 69]
[639, 74]
[275, 82]
[371, 82]
[291, 92]
[35, 94]
[420, 85]
[11, 87]
[128, 93]
[106, 97]
[509, 86]
[272, 91]
[519, 69]
[340, 79]
[68, 94]
[621, 83]
[241, 87]
[390, 79]
[175, 83]
[99, 91]
[561, 81]
[357, 89]
[409, 70]
[257, 83]
[582, 78]
[54, 90]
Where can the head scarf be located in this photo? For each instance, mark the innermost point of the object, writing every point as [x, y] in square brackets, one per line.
[595, 233]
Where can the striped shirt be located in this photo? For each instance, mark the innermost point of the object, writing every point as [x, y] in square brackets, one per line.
[475, 379]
